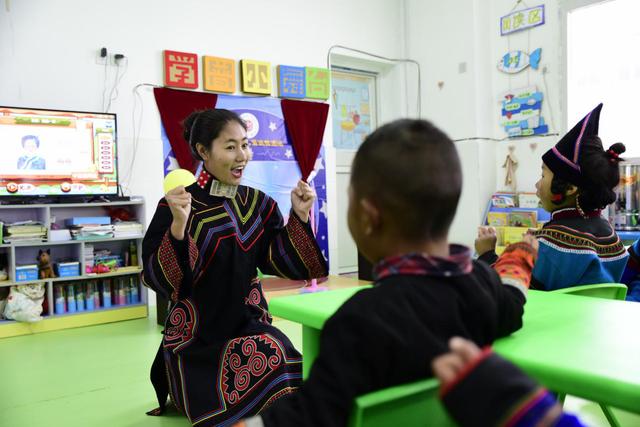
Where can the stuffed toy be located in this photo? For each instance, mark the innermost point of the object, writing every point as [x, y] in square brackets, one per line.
[44, 265]
[25, 303]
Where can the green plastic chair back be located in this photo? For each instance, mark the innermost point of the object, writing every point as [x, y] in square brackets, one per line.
[412, 404]
[615, 291]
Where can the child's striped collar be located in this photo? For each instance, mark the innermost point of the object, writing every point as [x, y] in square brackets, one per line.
[417, 264]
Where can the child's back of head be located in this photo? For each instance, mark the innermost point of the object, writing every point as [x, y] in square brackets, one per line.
[408, 171]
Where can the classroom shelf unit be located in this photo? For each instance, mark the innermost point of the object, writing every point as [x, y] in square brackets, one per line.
[25, 253]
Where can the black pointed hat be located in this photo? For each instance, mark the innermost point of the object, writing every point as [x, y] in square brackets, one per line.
[564, 158]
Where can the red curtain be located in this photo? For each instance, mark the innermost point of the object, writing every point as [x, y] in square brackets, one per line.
[175, 106]
[305, 122]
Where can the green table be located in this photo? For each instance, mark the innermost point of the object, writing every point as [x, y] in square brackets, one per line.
[581, 346]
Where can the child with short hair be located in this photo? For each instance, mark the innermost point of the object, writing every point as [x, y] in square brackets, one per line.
[577, 246]
[405, 185]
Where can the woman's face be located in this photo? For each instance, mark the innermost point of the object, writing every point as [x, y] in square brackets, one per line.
[543, 189]
[228, 155]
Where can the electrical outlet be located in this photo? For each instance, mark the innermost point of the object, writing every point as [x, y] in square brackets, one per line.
[115, 61]
[102, 60]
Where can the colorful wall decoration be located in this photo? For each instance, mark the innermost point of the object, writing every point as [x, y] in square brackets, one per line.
[351, 102]
[318, 81]
[256, 76]
[180, 69]
[522, 19]
[219, 74]
[291, 82]
[517, 60]
[521, 112]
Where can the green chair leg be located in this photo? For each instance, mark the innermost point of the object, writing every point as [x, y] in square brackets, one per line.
[613, 421]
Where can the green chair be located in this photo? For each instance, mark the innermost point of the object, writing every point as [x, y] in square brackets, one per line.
[412, 404]
[615, 291]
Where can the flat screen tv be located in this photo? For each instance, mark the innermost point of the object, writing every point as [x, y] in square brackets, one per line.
[55, 153]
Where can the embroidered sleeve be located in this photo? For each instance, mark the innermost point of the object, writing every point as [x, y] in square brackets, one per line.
[515, 266]
[168, 263]
[514, 398]
[290, 251]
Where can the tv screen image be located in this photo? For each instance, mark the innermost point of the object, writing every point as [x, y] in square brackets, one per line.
[57, 153]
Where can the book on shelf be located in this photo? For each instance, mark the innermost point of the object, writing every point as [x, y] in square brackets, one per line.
[127, 229]
[527, 219]
[497, 219]
[87, 220]
[26, 229]
[91, 231]
[25, 238]
[24, 232]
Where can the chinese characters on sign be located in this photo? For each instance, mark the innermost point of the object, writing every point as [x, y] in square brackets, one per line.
[219, 74]
[256, 77]
[291, 82]
[521, 20]
[317, 83]
[180, 69]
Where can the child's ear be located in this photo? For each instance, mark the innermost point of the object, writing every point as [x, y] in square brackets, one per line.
[371, 213]
[571, 191]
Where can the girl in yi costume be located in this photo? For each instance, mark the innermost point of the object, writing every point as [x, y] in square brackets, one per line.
[577, 246]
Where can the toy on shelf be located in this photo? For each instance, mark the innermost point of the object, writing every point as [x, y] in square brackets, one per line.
[25, 303]
[103, 267]
[121, 214]
[45, 269]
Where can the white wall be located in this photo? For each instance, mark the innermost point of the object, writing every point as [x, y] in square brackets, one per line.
[447, 37]
[449, 40]
[48, 49]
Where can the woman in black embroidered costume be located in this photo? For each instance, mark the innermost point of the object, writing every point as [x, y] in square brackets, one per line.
[220, 358]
